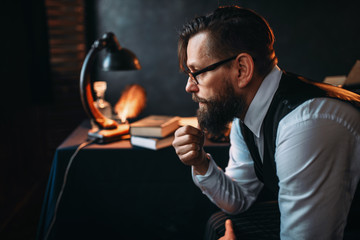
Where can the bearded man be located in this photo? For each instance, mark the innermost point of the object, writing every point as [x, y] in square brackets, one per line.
[298, 138]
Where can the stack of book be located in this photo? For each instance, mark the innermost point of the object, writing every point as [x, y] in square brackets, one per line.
[154, 132]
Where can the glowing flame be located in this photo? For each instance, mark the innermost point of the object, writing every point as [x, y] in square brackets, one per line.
[131, 102]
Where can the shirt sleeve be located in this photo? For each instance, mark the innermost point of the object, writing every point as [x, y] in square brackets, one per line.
[316, 169]
[236, 189]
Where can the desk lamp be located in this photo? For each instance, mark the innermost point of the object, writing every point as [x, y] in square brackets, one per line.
[117, 58]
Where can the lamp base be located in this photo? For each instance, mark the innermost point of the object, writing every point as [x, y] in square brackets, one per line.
[109, 135]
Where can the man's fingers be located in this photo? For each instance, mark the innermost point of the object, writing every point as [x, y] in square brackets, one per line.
[190, 158]
[186, 139]
[229, 226]
[229, 230]
[187, 136]
[188, 144]
[185, 148]
[188, 130]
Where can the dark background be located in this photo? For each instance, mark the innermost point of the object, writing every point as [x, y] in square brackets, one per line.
[313, 38]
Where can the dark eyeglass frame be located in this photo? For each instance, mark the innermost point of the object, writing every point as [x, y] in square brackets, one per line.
[211, 67]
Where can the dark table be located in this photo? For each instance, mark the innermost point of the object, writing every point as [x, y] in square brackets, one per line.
[116, 191]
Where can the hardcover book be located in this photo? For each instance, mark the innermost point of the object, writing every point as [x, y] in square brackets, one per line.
[155, 126]
[152, 143]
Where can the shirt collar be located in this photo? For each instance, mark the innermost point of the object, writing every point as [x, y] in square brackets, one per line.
[261, 102]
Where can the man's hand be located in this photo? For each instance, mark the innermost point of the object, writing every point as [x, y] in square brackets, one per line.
[188, 144]
[229, 231]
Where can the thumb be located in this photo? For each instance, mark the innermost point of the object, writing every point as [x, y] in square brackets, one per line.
[229, 230]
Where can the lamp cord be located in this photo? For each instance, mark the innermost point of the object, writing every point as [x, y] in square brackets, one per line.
[81, 146]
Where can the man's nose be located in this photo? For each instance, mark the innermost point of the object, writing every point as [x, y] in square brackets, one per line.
[191, 86]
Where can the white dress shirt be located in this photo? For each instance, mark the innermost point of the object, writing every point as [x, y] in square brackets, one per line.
[317, 161]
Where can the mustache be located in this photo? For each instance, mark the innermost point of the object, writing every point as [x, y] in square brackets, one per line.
[198, 99]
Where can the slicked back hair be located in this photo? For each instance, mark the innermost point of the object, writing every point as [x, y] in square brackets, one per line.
[232, 30]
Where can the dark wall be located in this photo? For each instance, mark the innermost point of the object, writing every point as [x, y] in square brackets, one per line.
[149, 28]
[313, 38]
[26, 96]
[33, 120]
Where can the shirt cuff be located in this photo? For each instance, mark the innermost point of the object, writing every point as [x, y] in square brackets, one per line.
[207, 178]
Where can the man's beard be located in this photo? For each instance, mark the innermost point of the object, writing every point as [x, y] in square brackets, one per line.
[217, 112]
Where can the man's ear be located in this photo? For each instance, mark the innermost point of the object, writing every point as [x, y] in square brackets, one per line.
[245, 68]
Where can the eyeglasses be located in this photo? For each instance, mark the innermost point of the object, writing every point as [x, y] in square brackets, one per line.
[211, 67]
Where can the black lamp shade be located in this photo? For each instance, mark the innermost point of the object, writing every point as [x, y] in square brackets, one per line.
[117, 58]
[120, 59]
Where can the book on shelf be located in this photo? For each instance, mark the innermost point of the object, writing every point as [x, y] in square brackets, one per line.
[155, 126]
[151, 142]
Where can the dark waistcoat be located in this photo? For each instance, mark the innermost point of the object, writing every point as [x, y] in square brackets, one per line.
[293, 90]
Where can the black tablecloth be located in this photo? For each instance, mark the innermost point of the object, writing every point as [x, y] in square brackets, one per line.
[116, 191]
